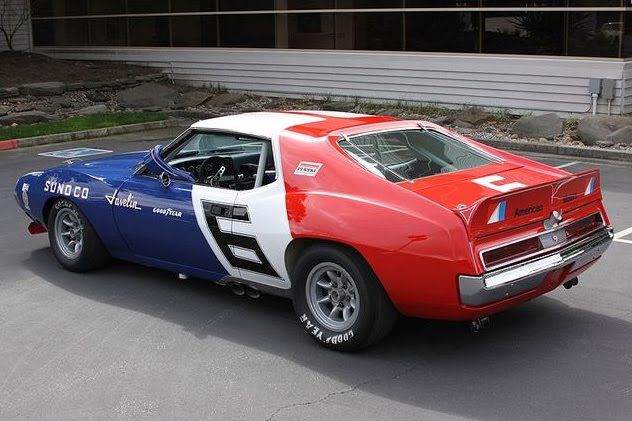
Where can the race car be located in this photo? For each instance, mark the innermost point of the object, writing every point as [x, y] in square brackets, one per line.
[356, 218]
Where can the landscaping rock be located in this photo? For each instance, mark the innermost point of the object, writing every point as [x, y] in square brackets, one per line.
[623, 135]
[96, 96]
[147, 95]
[462, 124]
[594, 128]
[74, 86]
[605, 143]
[473, 116]
[4, 110]
[62, 102]
[539, 126]
[441, 120]
[345, 107]
[25, 106]
[43, 89]
[226, 99]
[9, 92]
[28, 117]
[93, 109]
[192, 99]
[48, 108]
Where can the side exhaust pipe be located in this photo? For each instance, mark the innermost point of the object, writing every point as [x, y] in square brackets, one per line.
[253, 292]
[237, 289]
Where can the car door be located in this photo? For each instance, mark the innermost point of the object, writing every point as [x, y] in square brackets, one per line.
[160, 226]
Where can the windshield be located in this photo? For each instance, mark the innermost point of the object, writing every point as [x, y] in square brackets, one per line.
[405, 155]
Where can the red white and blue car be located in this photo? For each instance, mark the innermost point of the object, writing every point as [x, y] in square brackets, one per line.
[356, 218]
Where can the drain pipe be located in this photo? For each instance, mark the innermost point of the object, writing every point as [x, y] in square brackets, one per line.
[594, 103]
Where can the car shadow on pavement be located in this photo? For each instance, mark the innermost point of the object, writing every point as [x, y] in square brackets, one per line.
[542, 360]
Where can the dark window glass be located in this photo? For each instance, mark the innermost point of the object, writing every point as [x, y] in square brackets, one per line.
[594, 34]
[43, 33]
[109, 7]
[442, 3]
[42, 8]
[63, 33]
[369, 4]
[194, 6]
[523, 33]
[256, 31]
[194, 31]
[108, 31]
[310, 4]
[377, 31]
[445, 31]
[311, 30]
[149, 32]
[600, 3]
[246, 5]
[71, 7]
[147, 6]
[627, 35]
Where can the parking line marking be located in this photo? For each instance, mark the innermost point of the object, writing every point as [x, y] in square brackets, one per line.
[568, 164]
[621, 240]
[623, 233]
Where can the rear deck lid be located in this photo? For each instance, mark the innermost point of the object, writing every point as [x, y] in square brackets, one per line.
[502, 196]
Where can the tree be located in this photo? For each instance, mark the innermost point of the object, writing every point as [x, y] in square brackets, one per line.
[13, 15]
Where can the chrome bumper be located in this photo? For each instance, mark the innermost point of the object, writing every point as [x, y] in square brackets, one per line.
[504, 283]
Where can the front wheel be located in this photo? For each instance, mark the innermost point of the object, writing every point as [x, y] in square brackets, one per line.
[339, 300]
[75, 243]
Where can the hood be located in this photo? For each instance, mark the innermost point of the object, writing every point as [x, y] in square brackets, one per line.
[108, 167]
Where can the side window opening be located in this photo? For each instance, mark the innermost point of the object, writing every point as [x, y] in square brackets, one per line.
[406, 155]
[225, 160]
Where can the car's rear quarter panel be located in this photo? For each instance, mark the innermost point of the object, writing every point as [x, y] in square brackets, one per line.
[414, 246]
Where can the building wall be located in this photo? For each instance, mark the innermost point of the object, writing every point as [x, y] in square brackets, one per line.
[22, 39]
[514, 83]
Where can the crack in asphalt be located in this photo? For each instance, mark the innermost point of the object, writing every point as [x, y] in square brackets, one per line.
[343, 391]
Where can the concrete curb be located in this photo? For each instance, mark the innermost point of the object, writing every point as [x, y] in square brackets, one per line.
[560, 150]
[88, 134]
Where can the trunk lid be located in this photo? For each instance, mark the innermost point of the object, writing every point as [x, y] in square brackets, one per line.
[503, 196]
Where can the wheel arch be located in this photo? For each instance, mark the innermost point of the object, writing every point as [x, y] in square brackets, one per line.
[298, 245]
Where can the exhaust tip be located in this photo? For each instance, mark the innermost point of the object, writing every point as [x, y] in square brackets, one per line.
[237, 289]
[253, 292]
[571, 283]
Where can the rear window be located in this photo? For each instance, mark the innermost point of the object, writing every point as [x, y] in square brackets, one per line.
[405, 155]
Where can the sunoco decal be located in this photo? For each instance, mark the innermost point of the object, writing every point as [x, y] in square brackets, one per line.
[66, 189]
[309, 169]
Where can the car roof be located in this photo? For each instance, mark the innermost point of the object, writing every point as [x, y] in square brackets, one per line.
[270, 124]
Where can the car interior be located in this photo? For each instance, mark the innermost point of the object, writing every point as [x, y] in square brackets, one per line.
[224, 160]
[411, 154]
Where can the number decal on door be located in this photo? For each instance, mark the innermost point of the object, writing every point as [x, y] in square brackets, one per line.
[242, 251]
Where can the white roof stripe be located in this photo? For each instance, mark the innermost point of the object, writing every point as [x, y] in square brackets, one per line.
[267, 124]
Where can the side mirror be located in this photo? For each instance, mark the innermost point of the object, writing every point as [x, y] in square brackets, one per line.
[165, 179]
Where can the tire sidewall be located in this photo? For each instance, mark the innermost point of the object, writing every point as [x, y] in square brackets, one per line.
[356, 335]
[65, 261]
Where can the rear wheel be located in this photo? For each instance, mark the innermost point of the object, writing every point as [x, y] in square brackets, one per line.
[339, 300]
[73, 240]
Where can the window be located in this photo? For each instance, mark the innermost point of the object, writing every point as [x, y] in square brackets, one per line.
[223, 160]
[411, 154]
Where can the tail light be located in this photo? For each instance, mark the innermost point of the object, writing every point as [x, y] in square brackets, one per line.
[583, 226]
[512, 251]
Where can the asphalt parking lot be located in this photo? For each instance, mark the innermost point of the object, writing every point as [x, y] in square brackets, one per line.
[133, 342]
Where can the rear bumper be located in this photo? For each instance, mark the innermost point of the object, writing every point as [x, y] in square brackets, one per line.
[507, 282]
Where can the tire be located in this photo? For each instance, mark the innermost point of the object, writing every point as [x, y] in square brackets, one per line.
[336, 275]
[73, 240]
